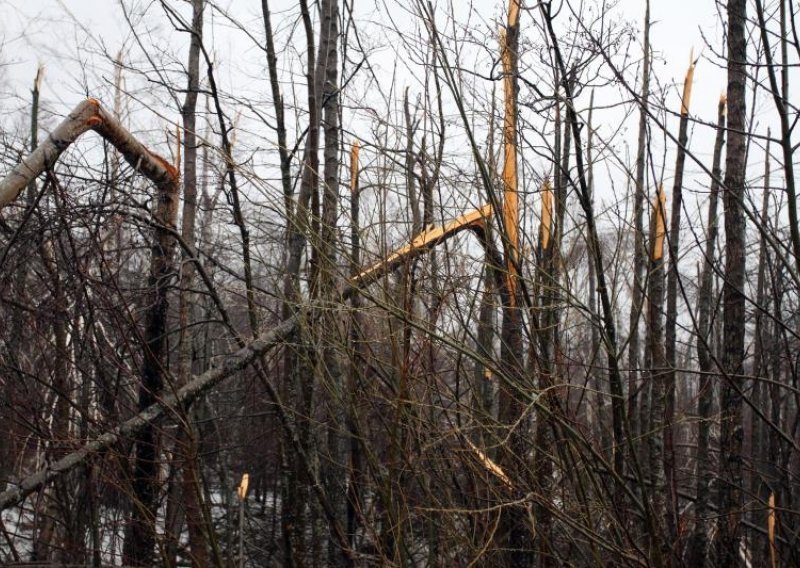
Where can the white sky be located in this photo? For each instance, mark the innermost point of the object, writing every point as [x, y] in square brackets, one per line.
[68, 36]
[43, 31]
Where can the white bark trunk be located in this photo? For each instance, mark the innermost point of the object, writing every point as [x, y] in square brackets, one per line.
[88, 115]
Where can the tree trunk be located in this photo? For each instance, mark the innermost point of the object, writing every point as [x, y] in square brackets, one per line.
[45, 546]
[186, 449]
[673, 275]
[334, 472]
[657, 366]
[761, 476]
[698, 546]
[16, 324]
[731, 434]
[140, 537]
[639, 248]
[300, 226]
[277, 102]
[515, 534]
[355, 500]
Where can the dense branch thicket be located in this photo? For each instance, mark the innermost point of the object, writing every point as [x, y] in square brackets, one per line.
[406, 291]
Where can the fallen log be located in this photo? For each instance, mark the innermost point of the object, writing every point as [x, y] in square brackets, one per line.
[170, 404]
[89, 115]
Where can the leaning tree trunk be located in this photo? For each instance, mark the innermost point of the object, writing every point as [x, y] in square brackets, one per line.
[233, 363]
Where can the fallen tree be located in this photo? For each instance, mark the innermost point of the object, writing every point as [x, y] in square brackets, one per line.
[237, 361]
[89, 115]
[169, 404]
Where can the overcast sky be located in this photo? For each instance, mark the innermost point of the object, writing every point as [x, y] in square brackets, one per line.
[72, 37]
[48, 31]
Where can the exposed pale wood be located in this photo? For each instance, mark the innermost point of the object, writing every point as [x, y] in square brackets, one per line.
[423, 242]
[687, 85]
[547, 214]
[671, 328]
[171, 404]
[354, 151]
[773, 552]
[659, 213]
[510, 195]
[88, 115]
[490, 465]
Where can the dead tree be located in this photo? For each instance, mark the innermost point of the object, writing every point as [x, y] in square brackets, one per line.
[89, 115]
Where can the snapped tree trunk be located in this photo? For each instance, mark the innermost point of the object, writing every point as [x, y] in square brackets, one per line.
[140, 537]
[514, 531]
[89, 115]
[657, 367]
[672, 520]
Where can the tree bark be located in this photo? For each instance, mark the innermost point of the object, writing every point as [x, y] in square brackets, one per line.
[186, 447]
[277, 102]
[673, 275]
[698, 546]
[169, 404]
[334, 472]
[761, 476]
[140, 538]
[731, 403]
[89, 115]
[639, 248]
[657, 367]
[515, 534]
